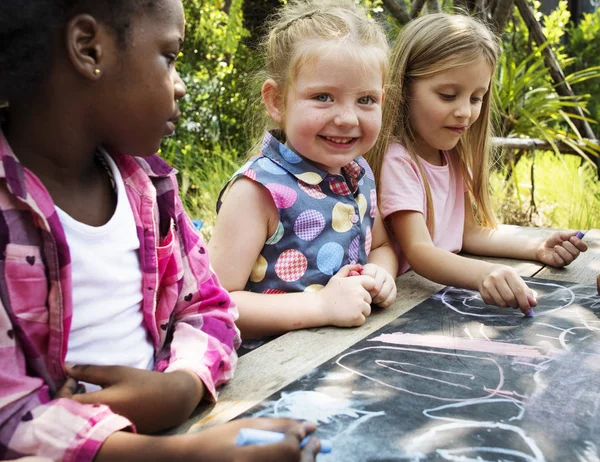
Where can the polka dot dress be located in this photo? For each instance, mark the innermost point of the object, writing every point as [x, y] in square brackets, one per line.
[325, 220]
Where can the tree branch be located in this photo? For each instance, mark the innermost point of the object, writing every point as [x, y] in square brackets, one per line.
[416, 7]
[397, 10]
[562, 86]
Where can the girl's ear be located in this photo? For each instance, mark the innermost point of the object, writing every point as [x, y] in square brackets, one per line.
[273, 100]
[85, 42]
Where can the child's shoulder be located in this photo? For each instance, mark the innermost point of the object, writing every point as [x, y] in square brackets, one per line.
[397, 155]
[397, 150]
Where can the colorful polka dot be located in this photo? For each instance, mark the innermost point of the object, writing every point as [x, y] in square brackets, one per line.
[310, 178]
[289, 155]
[291, 265]
[309, 224]
[368, 239]
[373, 211]
[361, 200]
[270, 166]
[283, 196]
[259, 270]
[313, 191]
[368, 172]
[250, 174]
[329, 258]
[342, 217]
[242, 168]
[277, 235]
[314, 288]
[353, 249]
[274, 291]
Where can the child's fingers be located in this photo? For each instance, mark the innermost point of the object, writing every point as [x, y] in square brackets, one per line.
[559, 256]
[345, 270]
[369, 283]
[571, 248]
[491, 296]
[310, 451]
[386, 294]
[98, 375]
[281, 425]
[507, 293]
[391, 298]
[68, 389]
[520, 293]
[582, 246]
[366, 312]
[531, 297]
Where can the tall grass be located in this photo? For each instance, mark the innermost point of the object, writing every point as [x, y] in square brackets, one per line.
[201, 179]
[566, 193]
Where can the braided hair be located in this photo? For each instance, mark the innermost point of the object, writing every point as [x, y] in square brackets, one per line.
[301, 30]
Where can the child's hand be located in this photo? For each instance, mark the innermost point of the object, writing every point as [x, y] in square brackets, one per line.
[153, 401]
[384, 292]
[560, 249]
[218, 443]
[346, 301]
[502, 286]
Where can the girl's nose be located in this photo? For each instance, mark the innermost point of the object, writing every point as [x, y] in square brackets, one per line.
[346, 117]
[179, 86]
[463, 109]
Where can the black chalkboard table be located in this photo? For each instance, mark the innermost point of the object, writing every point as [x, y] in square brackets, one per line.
[441, 376]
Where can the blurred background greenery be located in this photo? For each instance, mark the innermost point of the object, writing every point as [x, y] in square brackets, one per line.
[537, 188]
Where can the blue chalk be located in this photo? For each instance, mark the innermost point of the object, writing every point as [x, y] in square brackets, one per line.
[530, 314]
[247, 436]
[580, 234]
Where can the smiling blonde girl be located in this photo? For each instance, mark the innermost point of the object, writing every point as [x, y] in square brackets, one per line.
[298, 240]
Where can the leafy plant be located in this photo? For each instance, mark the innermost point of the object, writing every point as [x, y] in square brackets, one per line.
[210, 136]
[528, 105]
[583, 43]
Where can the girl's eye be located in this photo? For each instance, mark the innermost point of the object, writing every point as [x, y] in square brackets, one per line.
[323, 98]
[447, 97]
[476, 100]
[366, 100]
[171, 58]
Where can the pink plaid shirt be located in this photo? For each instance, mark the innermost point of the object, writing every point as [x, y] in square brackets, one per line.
[189, 316]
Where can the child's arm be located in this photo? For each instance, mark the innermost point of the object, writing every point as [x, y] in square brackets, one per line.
[382, 265]
[196, 317]
[246, 219]
[560, 249]
[497, 284]
[215, 444]
[33, 424]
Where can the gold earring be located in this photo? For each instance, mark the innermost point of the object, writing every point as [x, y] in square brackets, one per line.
[97, 71]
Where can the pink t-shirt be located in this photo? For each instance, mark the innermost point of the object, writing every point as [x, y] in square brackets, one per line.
[402, 188]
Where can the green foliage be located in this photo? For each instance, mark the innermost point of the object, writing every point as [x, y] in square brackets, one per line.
[583, 43]
[525, 96]
[210, 137]
[529, 106]
[213, 135]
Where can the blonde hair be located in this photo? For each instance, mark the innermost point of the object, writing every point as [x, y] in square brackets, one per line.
[303, 29]
[426, 46]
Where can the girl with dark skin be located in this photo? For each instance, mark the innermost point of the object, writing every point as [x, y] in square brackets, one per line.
[77, 76]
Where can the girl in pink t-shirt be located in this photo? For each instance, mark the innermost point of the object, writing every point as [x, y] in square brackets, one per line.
[431, 163]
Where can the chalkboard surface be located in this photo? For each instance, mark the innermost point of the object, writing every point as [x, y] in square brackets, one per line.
[454, 379]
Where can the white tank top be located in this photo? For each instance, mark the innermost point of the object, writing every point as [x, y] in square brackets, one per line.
[107, 326]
